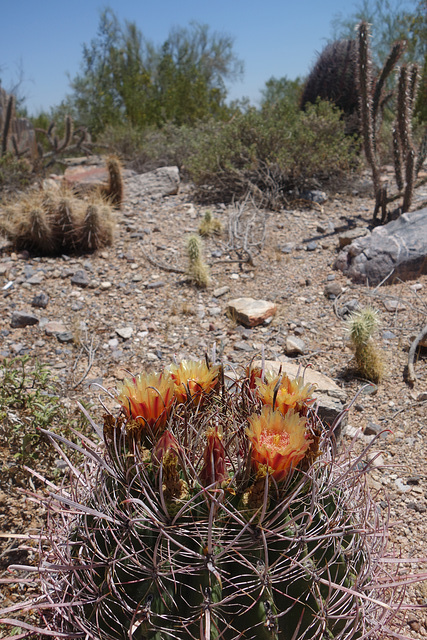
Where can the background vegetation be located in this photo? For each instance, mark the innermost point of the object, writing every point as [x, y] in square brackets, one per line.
[167, 104]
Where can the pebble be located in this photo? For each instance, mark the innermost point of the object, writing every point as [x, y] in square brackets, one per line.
[332, 290]
[393, 305]
[311, 246]
[53, 328]
[65, 337]
[41, 300]
[105, 285]
[294, 346]
[22, 319]
[124, 332]
[80, 278]
[220, 291]
[37, 278]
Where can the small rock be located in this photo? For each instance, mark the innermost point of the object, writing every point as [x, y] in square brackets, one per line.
[401, 488]
[332, 290]
[80, 278]
[250, 312]
[220, 291]
[53, 328]
[105, 285]
[242, 346]
[294, 346]
[347, 237]
[124, 332]
[413, 480]
[22, 319]
[393, 305]
[65, 337]
[372, 429]
[40, 300]
[311, 246]
[155, 285]
[388, 335]
[37, 278]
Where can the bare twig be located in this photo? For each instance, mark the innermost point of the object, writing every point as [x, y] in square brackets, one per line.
[411, 377]
[90, 349]
[246, 229]
[165, 267]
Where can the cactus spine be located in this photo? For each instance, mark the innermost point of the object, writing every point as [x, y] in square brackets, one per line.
[51, 223]
[218, 509]
[368, 357]
[113, 192]
[198, 270]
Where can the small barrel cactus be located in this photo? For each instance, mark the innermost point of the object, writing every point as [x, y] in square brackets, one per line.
[216, 507]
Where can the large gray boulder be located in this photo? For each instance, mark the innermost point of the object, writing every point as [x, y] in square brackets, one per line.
[397, 249]
[161, 182]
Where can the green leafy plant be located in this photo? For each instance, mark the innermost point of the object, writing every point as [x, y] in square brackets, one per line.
[28, 402]
[215, 507]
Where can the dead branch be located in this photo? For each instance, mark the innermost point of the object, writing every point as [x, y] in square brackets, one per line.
[90, 350]
[246, 229]
[411, 377]
[165, 267]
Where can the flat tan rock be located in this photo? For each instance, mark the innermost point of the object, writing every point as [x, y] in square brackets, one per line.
[250, 312]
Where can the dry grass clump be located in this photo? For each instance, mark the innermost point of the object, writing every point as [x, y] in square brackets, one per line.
[209, 226]
[52, 223]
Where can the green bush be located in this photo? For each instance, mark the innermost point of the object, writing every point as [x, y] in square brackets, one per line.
[15, 173]
[273, 150]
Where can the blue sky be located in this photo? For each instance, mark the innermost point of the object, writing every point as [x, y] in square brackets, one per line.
[44, 38]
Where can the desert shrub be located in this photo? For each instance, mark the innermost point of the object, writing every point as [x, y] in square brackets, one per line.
[271, 151]
[15, 173]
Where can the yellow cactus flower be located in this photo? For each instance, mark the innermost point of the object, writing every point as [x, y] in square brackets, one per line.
[287, 393]
[148, 399]
[279, 442]
[193, 379]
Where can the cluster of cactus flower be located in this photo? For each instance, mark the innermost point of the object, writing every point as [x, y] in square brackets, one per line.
[216, 507]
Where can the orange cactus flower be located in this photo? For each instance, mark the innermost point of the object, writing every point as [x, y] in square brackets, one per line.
[278, 441]
[148, 399]
[214, 470]
[194, 379]
[290, 394]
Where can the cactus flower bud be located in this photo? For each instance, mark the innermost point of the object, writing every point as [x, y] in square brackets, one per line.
[213, 470]
[167, 443]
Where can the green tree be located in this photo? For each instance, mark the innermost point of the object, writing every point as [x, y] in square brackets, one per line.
[389, 20]
[281, 90]
[124, 78]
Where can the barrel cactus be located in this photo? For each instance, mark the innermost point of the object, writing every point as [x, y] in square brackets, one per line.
[216, 507]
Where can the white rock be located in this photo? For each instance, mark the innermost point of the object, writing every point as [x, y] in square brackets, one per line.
[124, 332]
